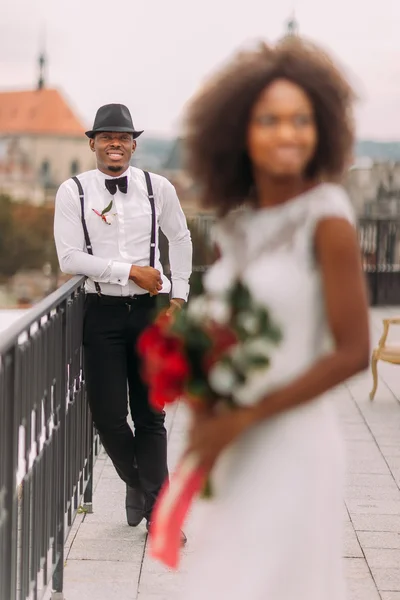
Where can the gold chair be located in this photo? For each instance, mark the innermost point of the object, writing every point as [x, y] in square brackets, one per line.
[388, 353]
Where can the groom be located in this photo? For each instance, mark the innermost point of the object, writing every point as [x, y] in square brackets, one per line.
[106, 228]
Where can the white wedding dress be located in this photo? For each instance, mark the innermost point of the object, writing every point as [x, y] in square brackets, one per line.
[275, 530]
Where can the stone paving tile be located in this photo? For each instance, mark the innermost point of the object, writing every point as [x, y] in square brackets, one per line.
[356, 432]
[73, 532]
[361, 466]
[107, 590]
[109, 513]
[382, 558]
[376, 523]
[373, 507]
[366, 494]
[352, 548]
[390, 451]
[387, 579]
[130, 551]
[111, 531]
[360, 583]
[379, 540]
[382, 481]
[100, 573]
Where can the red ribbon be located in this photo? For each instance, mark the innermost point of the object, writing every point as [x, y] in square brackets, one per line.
[171, 509]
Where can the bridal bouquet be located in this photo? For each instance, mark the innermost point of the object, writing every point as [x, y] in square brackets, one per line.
[205, 355]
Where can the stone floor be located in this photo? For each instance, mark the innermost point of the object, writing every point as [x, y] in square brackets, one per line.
[107, 560]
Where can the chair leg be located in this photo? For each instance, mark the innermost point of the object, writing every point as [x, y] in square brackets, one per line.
[374, 369]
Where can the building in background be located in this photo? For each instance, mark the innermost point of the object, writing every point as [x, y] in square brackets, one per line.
[42, 142]
[174, 170]
[374, 188]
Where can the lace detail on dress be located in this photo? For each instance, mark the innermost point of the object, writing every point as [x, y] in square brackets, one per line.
[288, 228]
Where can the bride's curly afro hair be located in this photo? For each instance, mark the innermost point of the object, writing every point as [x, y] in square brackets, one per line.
[217, 118]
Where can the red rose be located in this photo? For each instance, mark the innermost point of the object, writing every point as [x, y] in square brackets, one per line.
[157, 399]
[165, 368]
[169, 378]
[223, 339]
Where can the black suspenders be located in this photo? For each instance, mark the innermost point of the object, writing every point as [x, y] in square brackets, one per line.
[85, 231]
[153, 222]
[153, 219]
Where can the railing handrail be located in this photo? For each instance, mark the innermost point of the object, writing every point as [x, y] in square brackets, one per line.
[378, 219]
[10, 336]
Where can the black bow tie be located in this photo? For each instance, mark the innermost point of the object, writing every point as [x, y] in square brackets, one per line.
[120, 182]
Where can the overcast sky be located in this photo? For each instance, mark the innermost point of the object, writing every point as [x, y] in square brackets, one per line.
[153, 54]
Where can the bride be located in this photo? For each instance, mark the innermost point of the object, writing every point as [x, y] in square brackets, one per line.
[273, 132]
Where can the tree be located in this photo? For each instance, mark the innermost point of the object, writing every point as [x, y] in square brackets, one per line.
[26, 237]
[7, 238]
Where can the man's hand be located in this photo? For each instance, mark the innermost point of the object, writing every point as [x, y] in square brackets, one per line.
[175, 304]
[147, 278]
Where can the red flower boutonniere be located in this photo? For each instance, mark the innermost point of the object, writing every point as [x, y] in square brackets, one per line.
[103, 214]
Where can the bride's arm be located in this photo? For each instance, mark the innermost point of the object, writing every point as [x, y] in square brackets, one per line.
[338, 255]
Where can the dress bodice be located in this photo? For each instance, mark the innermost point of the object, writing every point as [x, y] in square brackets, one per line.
[272, 250]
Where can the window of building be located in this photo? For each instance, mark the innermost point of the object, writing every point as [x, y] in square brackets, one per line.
[74, 167]
[45, 172]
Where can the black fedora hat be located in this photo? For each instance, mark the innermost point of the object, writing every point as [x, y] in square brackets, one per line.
[113, 117]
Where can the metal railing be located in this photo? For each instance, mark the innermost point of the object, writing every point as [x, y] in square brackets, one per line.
[379, 243]
[47, 443]
[380, 247]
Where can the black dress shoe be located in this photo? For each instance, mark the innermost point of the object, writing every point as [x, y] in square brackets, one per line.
[134, 504]
[183, 536]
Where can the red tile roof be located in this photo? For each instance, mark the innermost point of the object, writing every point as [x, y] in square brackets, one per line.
[37, 112]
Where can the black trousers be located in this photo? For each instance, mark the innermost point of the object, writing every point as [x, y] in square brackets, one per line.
[112, 373]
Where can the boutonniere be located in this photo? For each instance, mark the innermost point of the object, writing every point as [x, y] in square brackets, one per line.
[103, 214]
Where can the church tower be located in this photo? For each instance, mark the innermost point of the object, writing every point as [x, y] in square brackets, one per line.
[42, 67]
[292, 26]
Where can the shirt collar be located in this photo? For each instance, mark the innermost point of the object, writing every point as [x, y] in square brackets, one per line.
[102, 176]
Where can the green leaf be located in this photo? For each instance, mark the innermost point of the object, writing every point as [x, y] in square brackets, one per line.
[207, 492]
[199, 388]
[107, 208]
[258, 361]
[239, 297]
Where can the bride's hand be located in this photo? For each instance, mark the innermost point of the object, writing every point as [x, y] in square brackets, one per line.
[211, 434]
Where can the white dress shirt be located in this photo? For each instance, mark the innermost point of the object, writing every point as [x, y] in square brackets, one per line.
[126, 240]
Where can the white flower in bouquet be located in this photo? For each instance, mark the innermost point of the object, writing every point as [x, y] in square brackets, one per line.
[215, 309]
[253, 389]
[258, 347]
[198, 309]
[238, 357]
[219, 311]
[222, 379]
[248, 322]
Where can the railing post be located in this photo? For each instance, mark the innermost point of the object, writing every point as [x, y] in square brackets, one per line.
[58, 575]
[9, 563]
[375, 299]
[88, 495]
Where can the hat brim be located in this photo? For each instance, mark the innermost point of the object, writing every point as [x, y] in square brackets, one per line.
[135, 134]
